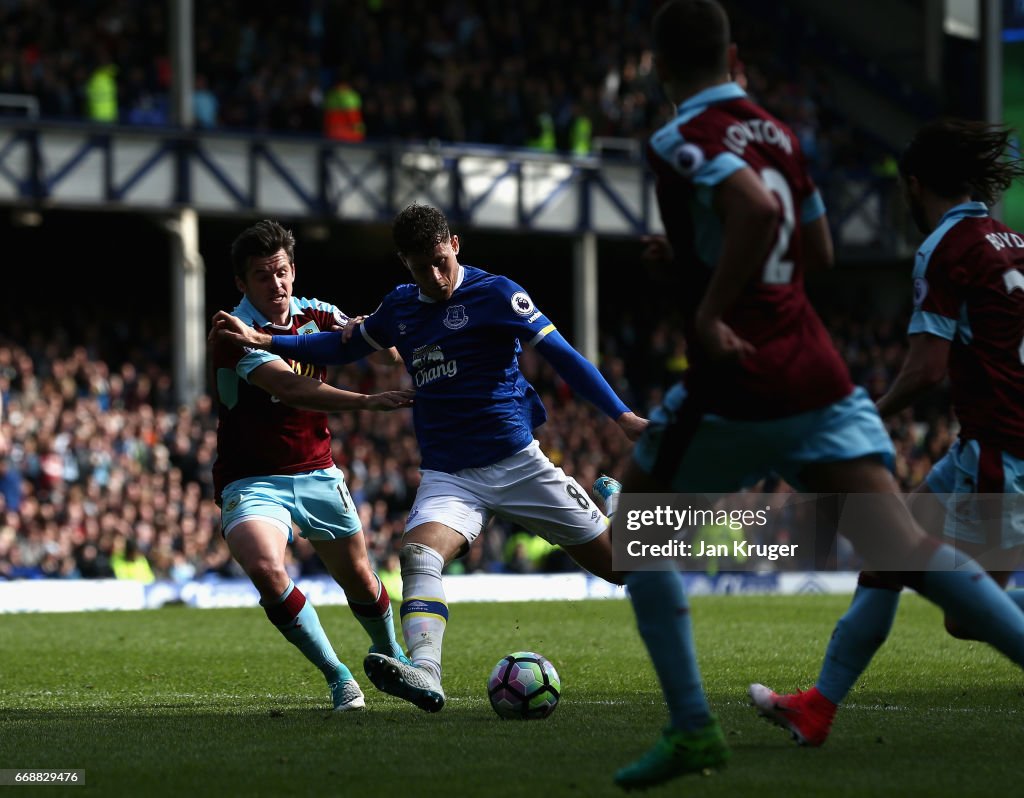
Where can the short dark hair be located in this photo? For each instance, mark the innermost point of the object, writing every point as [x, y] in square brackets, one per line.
[954, 157]
[261, 240]
[418, 229]
[691, 38]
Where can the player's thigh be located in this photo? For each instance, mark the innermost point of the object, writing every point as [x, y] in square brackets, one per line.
[448, 502]
[544, 500]
[447, 542]
[255, 539]
[982, 488]
[322, 506]
[595, 555]
[928, 509]
[872, 513]
[347, 562]
[685, 451]
[256, 498]
[258, 545]
[256, 523]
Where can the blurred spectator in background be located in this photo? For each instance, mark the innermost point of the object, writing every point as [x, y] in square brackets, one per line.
[101, 90]
[128, 563]
[343, 112]
[205, 105]
[550, 77]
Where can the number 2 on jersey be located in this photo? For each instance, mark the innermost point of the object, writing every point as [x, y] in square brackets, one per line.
[776, 270]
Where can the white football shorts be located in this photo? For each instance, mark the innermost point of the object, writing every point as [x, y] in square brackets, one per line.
[526, 489]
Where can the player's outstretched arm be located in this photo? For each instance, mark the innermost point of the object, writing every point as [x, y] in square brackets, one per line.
[305, 393]
[583, 377]
[383, 357]
[324, 349]
[924, 367]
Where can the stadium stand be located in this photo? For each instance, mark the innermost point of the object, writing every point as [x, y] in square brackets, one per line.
[451, 72]
[101, 464]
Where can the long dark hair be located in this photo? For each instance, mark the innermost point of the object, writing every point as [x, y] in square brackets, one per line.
[953, 157]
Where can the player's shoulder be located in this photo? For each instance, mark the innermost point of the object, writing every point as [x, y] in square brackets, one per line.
[312, 304]
[715, 131]
[475, 277]
[401, 295]
[964, 231]
[247, 313]
[323, 313]
[481, 284]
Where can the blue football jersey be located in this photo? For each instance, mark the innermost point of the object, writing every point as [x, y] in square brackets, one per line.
[473, 406]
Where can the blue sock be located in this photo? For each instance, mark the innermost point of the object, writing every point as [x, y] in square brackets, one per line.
[663, 619]
[856, 638]
[378, 620]
[300, 625]
[973, 599]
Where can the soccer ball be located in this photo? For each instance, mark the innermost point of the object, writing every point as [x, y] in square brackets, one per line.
[524, 685]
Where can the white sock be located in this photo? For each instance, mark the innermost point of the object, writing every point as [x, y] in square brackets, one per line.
[424, 609]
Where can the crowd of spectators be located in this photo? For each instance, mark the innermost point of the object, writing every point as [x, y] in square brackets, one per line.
[551, 76]
[103, 475]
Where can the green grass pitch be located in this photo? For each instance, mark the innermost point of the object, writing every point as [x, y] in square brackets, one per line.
[214, 702]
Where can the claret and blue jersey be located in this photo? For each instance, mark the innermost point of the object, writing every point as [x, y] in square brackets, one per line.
[716, 133]
[969, 289]
[256, 433]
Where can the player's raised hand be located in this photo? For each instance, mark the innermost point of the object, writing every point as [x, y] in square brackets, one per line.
[231, 329]
[350, 328]
[632, 425]
[390, 400]
[721, 342]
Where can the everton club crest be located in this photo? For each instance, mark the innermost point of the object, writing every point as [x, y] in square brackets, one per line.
[455, 317]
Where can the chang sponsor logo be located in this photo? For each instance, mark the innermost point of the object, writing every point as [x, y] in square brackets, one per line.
[430, 365]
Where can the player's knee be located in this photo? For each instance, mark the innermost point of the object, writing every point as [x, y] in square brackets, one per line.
[266, 574]
[416, 558]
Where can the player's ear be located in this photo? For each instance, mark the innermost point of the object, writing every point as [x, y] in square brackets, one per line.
[239, 284]
[455, 244]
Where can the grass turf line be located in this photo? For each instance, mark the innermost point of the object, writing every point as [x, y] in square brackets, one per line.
[214, 702]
